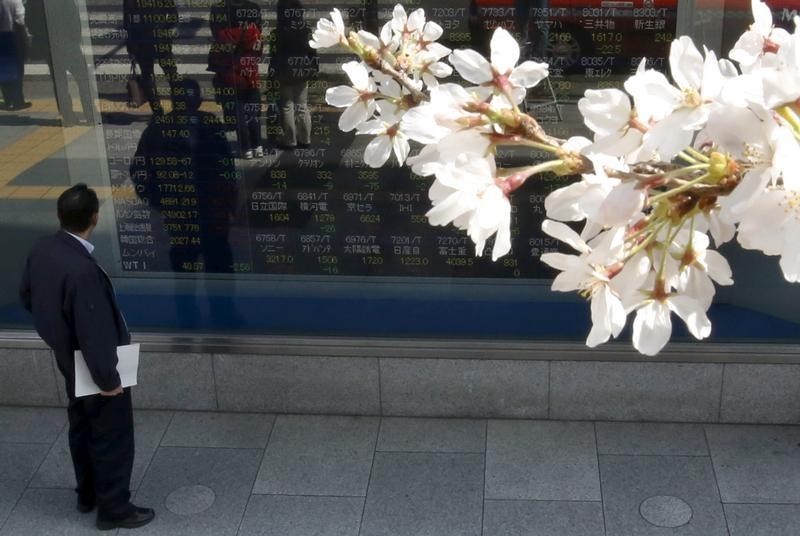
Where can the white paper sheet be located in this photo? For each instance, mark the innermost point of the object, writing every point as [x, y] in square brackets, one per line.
[127, 366]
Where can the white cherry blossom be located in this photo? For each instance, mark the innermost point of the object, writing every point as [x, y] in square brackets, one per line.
[388, 137]
[590, 273]
[468, 195]
[711, 151]
[761, 42]
[772, 225]
[444, 153]
[503, 74]
[439, 117]
[584, 200]
[652, 326]
[699, 82]
[699, 267]
[329, 32]
[768, 148]
[358, 100]
[401, 22]
[608, 113]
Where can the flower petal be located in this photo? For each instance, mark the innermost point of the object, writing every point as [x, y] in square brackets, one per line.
[692, 312]
[528, 74]
[562, 232]
[416, 21]
[686, 63]
[355, 114]
[605, 111]
[608, 317]
[471, 66]
[505, 51]
[431, 31]
[401, 148]
[358, 74]
[378, 151]
[652, 328]
[341, 96]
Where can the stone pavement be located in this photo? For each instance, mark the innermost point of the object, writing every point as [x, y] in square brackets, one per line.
[301, 475]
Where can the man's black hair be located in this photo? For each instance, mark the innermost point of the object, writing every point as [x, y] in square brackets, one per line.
[76, 208]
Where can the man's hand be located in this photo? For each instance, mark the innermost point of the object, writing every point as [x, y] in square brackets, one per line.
[115, 392]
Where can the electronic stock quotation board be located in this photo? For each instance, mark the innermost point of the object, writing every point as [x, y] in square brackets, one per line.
[185, 201]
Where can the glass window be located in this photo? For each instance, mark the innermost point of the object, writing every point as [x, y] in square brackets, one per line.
[231, 200]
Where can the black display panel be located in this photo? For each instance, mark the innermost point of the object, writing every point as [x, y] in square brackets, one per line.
[190, 199]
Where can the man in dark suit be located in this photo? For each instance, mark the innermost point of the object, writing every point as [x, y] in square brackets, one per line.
[74, 308]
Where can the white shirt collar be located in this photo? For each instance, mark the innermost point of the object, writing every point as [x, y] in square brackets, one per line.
[88, 245]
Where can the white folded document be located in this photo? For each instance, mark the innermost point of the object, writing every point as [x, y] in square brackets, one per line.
[127, 367]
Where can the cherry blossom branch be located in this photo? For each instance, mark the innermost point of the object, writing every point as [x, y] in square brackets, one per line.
[648, 219]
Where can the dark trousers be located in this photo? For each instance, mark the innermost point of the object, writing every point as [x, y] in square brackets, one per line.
[102, 448]
[146, 61]
[12, 57]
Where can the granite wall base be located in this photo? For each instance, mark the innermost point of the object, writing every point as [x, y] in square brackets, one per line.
[538, 388]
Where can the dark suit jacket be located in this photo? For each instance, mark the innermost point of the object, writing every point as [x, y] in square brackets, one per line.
[74, 308]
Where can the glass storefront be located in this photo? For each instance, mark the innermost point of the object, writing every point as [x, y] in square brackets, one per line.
[232, 203]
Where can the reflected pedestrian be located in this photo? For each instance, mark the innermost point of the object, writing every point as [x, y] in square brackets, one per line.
[13, 50]
[293, 63]
[184, 161]
[150, 28]
[236, 27]
[57, 36]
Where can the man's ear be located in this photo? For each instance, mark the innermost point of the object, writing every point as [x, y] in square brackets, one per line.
[95, 218]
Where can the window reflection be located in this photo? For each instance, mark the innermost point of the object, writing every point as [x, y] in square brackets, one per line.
[231, 163]
[14, 45]
[150, 28]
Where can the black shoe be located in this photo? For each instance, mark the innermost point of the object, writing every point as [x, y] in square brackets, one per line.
[139, 518]
[21, 106]
[85, 508]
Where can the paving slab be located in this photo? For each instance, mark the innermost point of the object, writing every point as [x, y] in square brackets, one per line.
[763, 519]
[432, 435]
[149, 428]
[281, 515]
[656, 495]
[542, 518]
[310, 455]
[50, 512]
[424, 494]
[18, 463]
[198, 491]
[31, 425]
[541, 460]
[756, 464]
[651, 439]
[220, 430]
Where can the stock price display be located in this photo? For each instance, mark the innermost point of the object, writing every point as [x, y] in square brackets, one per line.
[189, 198]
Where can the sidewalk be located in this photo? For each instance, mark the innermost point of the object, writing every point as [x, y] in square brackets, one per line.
[294, 475]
